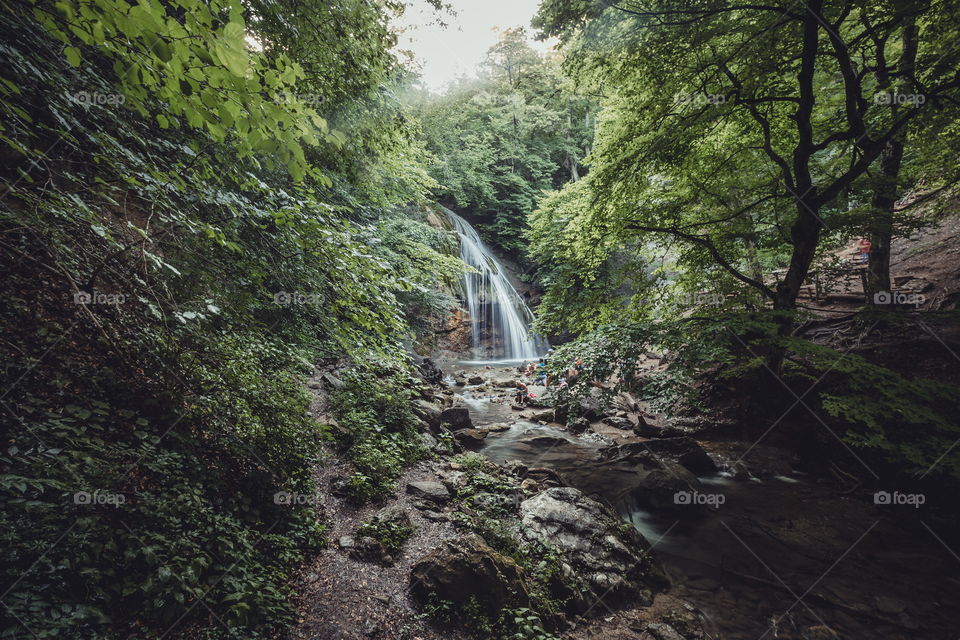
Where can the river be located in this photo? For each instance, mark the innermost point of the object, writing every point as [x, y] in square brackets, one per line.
[778, 554]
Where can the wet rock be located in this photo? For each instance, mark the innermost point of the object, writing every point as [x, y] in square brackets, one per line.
[430, 372]
[543, 415]
[662, 631]
[460, 381]
[618, 422]
[475, 380]
[683, 451]
[470, 439]
[543, 441]
[658, 488]
[494, 428]
[820, 632]
[607, 557]
[429, 490]
[456, 418]
[578, 426]
[545, 476]
[465, 569]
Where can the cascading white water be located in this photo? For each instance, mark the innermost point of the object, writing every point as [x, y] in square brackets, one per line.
[499, 317]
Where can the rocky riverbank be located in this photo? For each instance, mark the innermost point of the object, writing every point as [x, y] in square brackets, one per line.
[619, 525]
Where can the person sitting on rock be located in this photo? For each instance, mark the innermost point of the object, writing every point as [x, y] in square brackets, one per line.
[541, 372]
[522, 393]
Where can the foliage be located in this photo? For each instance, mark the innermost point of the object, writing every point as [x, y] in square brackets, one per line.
[391, 533]
[730, 136]
[177, 260]
[377, 429]
[499, 141]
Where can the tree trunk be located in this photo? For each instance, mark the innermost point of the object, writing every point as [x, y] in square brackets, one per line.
[804, 236]
[886, 191]
[881, 234]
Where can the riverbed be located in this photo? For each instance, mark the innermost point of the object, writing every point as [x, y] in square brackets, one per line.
[765, 557]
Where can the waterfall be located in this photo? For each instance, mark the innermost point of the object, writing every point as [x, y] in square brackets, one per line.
[499, 317]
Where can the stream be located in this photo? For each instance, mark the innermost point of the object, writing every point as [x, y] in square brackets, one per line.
[771, 558]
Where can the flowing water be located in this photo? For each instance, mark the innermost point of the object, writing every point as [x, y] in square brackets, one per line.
[499, 317]
[859, 570]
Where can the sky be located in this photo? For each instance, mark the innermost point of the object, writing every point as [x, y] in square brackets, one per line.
[445, 53]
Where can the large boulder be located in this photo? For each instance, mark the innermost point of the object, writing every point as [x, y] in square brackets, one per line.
[428, 412]
[659, 488]
[608, 558]
[468, 568]
[456, 418]
[470, 439]
[683, 451]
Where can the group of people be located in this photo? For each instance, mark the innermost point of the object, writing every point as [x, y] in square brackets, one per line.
[537, 372]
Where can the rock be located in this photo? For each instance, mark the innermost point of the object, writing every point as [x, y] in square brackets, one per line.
[456, 418]
[543, 415]
[739, 470]
[502, 502]
[607, 557]
[395, 515]
[545, 476]
[429, 371]
[619, 423]
[475, 380]
[469, 438]
[578, 426]
[658, 487]
[346, 542]
[332, 380]
[370, 549]
[662, 631]
[468, 569]
[429, 490]
[684, 451]
[529, 485]
[428, 412]
[428, 441]
[495, 428]
[504, 383]
[543, 441]
[888, 604]
[820, 632]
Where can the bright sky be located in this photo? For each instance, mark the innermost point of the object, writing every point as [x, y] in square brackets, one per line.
[445, 53]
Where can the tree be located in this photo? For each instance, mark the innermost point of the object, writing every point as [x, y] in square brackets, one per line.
[786, 88]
